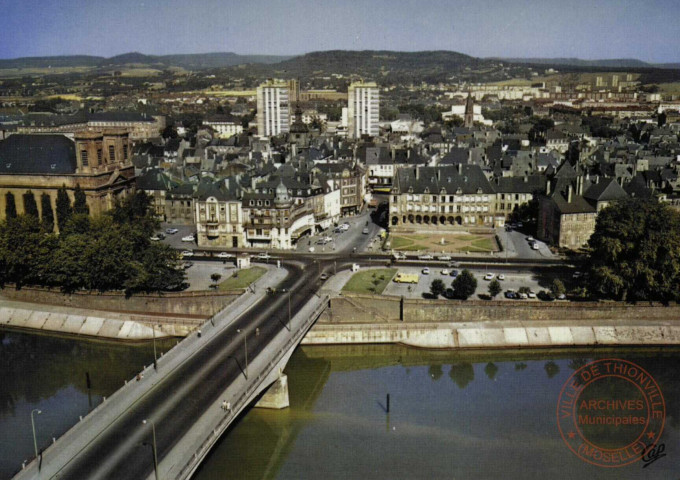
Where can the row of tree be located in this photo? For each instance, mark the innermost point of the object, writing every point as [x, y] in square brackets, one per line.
[108, 252]
[64, 207]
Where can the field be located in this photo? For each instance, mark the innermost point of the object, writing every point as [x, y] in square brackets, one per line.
[443, 243]
[370, 281]
[242, 278]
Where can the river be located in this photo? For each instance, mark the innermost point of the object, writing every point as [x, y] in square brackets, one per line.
[451, 414]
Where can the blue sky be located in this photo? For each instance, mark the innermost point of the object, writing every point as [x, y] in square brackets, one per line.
[590, 29]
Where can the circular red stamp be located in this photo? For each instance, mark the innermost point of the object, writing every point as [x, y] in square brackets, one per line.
[610, 412]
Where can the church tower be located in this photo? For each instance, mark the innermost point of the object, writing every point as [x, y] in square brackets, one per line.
[469, 118]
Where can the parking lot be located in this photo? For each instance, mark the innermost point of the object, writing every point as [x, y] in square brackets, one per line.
[513, 281]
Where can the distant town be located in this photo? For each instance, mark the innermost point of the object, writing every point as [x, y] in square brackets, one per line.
[441, 144]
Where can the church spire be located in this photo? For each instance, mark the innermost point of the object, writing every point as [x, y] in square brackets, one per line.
[469, 119]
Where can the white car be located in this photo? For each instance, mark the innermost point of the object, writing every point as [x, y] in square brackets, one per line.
[155, 238]
[188, 238]
[501, 277]
[534, 246]
[426, 271]
[530, 239]
[426, 256]
[489, 276]
[171, 231]
[446, 272]
[224, 255]
[531, 294]
[187, 253]
[311, 249]
[444, 258]
[264, 256]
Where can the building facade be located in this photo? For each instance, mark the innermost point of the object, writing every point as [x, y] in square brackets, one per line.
[273, 108]
[363, 109]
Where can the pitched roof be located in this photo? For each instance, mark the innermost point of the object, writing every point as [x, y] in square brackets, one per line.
[470, 180]
[37, 154]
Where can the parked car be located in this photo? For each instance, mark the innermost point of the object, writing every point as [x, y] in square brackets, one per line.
[501, 277]
[489, 276]
[365, 231]
[576, 275]
[530, 239]
[445, 272]
[187, 253]
[510, 294]
[224, 255]
[523, 296]
[263, 256]
[561, 296]
[454, 273]
[186, 265]
[323, 277]
[534, 246]
[399, 256]
[171, 231]
[155, 238]
[425, 256]
[444, 258]
[188, 238]
[531, 294]
[426, 271]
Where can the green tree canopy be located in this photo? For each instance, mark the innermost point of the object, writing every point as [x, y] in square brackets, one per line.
[464, 285]
[437, 287]
[47, 213]
[80, 201]
[30, 207]
[494, 288]
[635, 252]
[64, 209]
[10, 206]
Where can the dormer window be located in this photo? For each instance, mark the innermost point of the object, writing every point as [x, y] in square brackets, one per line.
[459, 191]
[9, 165]
[479, 190]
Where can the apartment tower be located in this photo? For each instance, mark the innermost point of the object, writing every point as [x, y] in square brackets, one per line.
[273, 111]
[363, 109]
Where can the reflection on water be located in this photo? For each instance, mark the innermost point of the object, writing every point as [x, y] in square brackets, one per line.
[49, 373]
[452, 415]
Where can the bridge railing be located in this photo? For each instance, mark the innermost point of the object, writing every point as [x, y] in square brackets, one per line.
[253, 386]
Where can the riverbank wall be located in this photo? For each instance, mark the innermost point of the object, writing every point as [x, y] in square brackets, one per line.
[202, 304]
[366, 319]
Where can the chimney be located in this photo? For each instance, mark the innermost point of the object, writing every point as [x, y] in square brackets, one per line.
[439, 174]
[547, 187]
[460, 169]
[526, 179]
[570, 192]
[417, 173]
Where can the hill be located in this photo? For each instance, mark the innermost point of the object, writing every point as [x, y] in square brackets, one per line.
[195, 61]
[603, 63]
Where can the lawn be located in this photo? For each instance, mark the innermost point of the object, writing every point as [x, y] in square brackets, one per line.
[370, 281]
[242, 278]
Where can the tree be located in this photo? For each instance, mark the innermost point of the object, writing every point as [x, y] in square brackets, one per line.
[557, 288]
[494, 288]
[215, 277]
[80, 201]
[47, 213]
[464, 285]
[30, 207]
[10, 206]
[635, 252]
[64, 209]
[437, 287]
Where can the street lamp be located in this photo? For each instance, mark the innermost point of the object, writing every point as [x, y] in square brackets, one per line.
[35, 442]
[155, 454]
[153, 329]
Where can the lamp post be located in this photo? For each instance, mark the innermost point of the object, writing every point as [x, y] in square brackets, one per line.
[153, 329]
[155, 454]
[35, 441]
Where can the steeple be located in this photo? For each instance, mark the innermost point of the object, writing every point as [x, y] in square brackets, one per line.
[469, 119]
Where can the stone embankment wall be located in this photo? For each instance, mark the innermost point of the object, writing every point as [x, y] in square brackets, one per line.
[356, 308]
[446, 324]
[202, 304]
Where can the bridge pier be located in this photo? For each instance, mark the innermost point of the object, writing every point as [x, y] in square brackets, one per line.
[276, 396]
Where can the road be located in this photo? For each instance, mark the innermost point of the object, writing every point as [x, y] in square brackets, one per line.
[182, 396]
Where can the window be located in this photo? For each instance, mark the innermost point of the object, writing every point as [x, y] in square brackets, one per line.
[125, 151]
[99, 156]
[112, 153]
[83, 157]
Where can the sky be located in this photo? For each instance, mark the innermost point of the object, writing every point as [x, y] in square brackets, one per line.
[648, 30]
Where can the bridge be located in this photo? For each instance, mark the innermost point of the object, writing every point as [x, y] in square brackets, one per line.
[174, 413]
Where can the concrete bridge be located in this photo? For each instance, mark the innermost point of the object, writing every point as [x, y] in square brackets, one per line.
[176, 412]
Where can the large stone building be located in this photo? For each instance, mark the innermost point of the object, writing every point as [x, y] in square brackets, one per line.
[100, 163]
[219, 215]
[569, 208]
[442, 198]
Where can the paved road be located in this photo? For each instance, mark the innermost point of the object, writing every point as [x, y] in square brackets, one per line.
[182, 396]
